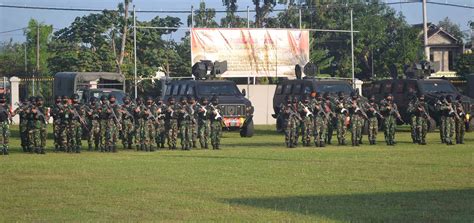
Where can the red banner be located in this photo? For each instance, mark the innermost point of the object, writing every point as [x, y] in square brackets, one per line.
[252, 52]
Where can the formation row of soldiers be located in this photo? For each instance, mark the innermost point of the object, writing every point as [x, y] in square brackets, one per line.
[316, 116]
[145, 124]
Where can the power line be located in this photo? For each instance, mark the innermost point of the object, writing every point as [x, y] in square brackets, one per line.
[217, 11]
[13, 30]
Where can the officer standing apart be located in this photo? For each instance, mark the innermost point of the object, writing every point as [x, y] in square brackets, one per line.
[5, 118]
[390, 112]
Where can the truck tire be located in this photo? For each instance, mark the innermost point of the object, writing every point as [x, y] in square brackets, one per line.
[248, 130]
[431, 125]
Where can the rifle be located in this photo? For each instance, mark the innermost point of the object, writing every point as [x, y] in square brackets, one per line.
[423, 111]
[359, 110]
[218, 114]
[7, 113]
[81, 120]
[397, 113]
[40, 114]
[375, 112]
[295, 114]
[306, 110]
[203, 108]
[117, 121]
[451, 111]
[461, 112]
[340, 105]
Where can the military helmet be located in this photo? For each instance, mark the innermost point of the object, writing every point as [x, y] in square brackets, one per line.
[65, 97]
[139, 99]
[304, 98]
[215, 99]
[93, 99]
[295, 99]
[103, 98]
[32, 98]
[326, 94]
[203, 99]
[75, 96]
[288, 98]
[319, 95]
[111, 96]
[340, 94]
[458, 97]
[39, 98]
[57, 98]
[126, 97]
[449, 98]
[3, 98]
[149, 98]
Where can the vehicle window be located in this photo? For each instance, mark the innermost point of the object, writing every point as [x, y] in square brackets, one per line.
[438, 87]
[190, 90]
[287, 89]
[297, 89]
[411, 87]
[307, 89]
[399, 87]
[168, 90]
[387, 87]
[218, 89]
[182, 90]
[376, 88]
[175, 89]
[279, 89]
[334, 88]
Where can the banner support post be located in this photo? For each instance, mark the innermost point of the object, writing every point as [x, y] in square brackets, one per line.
[352, 50]
[248, 27]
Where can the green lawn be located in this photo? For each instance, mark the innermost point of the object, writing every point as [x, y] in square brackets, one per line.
[250, 179]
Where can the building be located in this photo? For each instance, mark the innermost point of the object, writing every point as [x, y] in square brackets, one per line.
[444, 50]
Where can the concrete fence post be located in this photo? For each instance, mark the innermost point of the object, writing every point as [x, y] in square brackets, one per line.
[358, 85]
[15, 95]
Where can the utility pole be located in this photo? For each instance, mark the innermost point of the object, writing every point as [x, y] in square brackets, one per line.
[135, 52]
[425, 32]
[26, 62]
[352, 50]
[37, 56]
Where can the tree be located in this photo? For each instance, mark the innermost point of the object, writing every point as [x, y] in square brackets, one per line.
[465, 64]
[205, 17]
[262, 10]
[452, 28]
[231, 20]
[12, 59]
[31, 33]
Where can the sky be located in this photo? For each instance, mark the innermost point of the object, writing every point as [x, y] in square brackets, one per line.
[11, 19]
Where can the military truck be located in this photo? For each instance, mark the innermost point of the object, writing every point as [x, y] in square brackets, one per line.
[88, 84]
[304, 86]
[237, 111]
[404, 90]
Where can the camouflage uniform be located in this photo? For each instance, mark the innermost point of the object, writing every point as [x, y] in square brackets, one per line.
[420, 110]
[110, 124]
[63, 124]
[328, 106]
[442, 118]
[171, 122]
[449, 112]
[22, 111]
[5, 116]
[128, 123]
[92, 114]
[412, 110]
[320, 121]
[56, 122]
[341, 115]
[291, 120]
[204, 125]
[194, 123]
[38, 126]
[373, 114]
[160, 136]
[74, 129]
[216, 124]
[149, 118]
[184, 123]
[388, 110]
[305, 111]
[460, 122]
[358, 115]
[139, 124]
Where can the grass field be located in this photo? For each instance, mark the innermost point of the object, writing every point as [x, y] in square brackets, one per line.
[250, 179]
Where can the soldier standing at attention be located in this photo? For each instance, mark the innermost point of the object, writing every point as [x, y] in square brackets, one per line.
[127, 123]
[204, 125]
[76, 120]
[373, 115]
[342, 115]
[442, 118]
[422, 117]
[160, 136]
[22, 111]
[31, 125]
[299, 124]
[328, 106]
[56, 121]
[390, 112]
[461, 121]
[93, 123]
[450, 113]
[139, 124]
[357, 115]
[38, 127]
[194, 125]
[64, 117]
[306, 113]
[149, 115]
[5, 118]
[171, 122]
[216, 123]
[411, 110]
[184, 122]
[113, 124]
[320, 122]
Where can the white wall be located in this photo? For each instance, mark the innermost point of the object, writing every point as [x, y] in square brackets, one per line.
[261, 97]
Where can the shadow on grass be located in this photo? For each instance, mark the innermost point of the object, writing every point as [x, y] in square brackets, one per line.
[419, 206]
